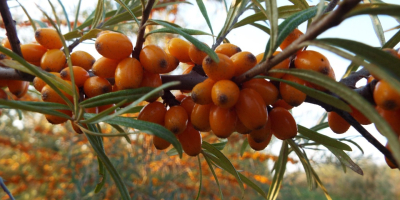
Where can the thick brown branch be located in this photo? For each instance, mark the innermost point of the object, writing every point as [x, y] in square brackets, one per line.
[140, 37]
[332, 19]
[12, 33]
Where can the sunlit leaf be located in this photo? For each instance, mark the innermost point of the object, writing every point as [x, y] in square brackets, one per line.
[320, 126]
[213, 173]
[29, 17]
[345, 159]
[128, 10]
[375, 9]
[261, 27]
[103, 174]
[98, 15]
[66, 15]
[91, 34]
[73, 34]
[279, 168]
[272, 13]
[167, 30]
[303, 161]
[300, 3]
[201, 177]
[77, 14]
[322, 139]
[203, 11]
[393, 41]
[33, 108]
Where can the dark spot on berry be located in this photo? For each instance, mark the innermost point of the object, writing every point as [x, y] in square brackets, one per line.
[106, 89]
[175, 130]
[37, 34]
[45, 95]
[208, 60]
[97, 46]
[238, 50]
[389, 104]
[194, 97]
[251, 58]
[324, 70]
[163, 64]
[222, 99]
[63, 74]
[322, 59]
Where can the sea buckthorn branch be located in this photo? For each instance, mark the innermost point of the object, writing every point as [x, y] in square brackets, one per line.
[13, 38]
[345, 115]
[332, 19]
[351, 80]
[140, 37]
[223, 36]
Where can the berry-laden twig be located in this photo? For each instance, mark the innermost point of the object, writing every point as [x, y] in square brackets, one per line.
[12, 37]
[332, 19]
[140, 37]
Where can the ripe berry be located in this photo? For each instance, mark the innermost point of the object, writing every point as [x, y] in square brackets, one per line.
[359, 116]
[114, 45]
[6, 43]
[53, 60]
[176, 119]
[291, 95]
[392, 118]
[267, 90]
[241, 128]
[52, 119]
[38, 83]
[3, 94]
[190, 140]
[82, 59]
[80, 75]
[243, 61]
[154, 59]
[153, 112]
[337, 123]
[283, 124]
[172, 63]
[222, 121]
[200, 117]
[294, 35]
[129, 74]
[196, 55]
[18, 88]
[223, 70]
[251, 109]
[385, 96]
[227, 49]
[179, 49]
[201, 93]
[282, 103]
[160, 143]
[225, 93]
[187, 103]
[258, 146]
[48, 38]
[105, 67]
[96, 86]
[262, 134]
[33, 52]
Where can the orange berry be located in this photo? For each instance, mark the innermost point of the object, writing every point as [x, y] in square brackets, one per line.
[160, 143]
[294, 35]
[150, 80]
[80, 75]
[282, 103]
[52, 119]
[196, 55]
[359, 116]
[3, 83]
[243, 61]
[385, 96]
[153, 112]
[258, 146]
[179, 49]
[48, 38]
[187, 103]
[388, 162]
[251, 109]
[18, 88]
[190, 140]
[93, 110]
[154, 59]
[180, 97]
[282, 65]
[262, 134]
[53, 60]
[224, 69]
[3, 94]
[38, 83]
[129, 74]
[176, 119]
[6, 43]
[283, 125]
[267, 90]
[222, 121]
[291, 95]
[201, 93]
[50, 95]
[82, 59]
[114, 45]
[225, 93]
[76, 127]
[392, 118]
[200, 117]
[96, 86]
[241, 128]
[227, 49]
[172, 63]
[105, 107]
[370, 79]
[33, 52]
[337, 123]
[105, 67]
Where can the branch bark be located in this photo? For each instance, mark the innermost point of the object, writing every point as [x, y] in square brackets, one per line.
[140, 37]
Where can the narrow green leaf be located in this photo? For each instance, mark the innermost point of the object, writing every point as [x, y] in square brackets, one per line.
[244, 146]
[172, 152]
[203, 11]
[55, 15]
[46, 105]
[353, 98]
[144, 126]
[223, 162]
[66, 15]
[33, 24]
[114, 97]
[303, 161]
[376, 24]
[302, 4]
[393, 41]
[351, 68]
[322, 96]
[323, 139]
[103, 174]
[261, 27]
[287, 26]
[201, 177]
[98, 14]
[206, 156]
[16, 65]
[354, 143]
[272, 13]
[40, 23]
[167, 30]
[100, 116]
[91, 34]
[128, 10]
[122, 134]
[374, 9]
[279, 168]
[319, 182]
[220, 145]
[73, 34]
[321, 9]
[121, 131]
[90, 20]
[77, 14]
[200, 45]
[345, 159]
[33, 108]
[110, 168]
[251, 184]
[320, 126]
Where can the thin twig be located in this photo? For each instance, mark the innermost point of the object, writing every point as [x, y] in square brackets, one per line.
[331, 6]
[4, 187]
[332, 19]
[140, 37]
